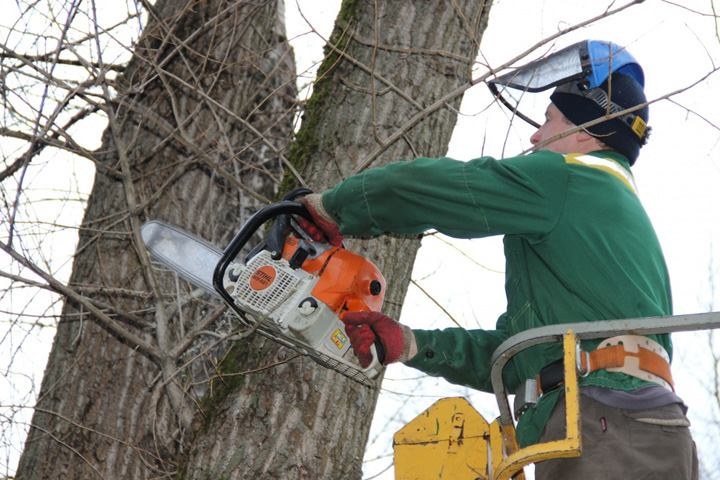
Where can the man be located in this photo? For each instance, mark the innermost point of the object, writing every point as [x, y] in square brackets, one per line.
[578, 246]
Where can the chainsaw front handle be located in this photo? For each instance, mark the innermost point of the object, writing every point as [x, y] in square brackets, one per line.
[243, 236]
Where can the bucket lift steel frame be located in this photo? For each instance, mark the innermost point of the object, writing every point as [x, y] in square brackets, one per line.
[504, 459]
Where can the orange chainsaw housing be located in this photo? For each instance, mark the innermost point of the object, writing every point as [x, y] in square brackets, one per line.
[347, 282]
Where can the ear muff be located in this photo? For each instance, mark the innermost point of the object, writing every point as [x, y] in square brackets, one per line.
[625, 133]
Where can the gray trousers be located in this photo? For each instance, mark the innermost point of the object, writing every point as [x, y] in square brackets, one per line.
[637, 444]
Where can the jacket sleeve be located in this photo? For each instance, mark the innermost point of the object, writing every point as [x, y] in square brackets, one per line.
[482, 197]
[460, 356]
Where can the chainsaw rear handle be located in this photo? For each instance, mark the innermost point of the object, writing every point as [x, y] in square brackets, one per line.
[379, 349]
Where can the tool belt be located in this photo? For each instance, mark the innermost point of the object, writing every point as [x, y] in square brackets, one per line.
[632, 355]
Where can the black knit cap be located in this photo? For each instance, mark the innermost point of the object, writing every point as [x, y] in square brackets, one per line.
[625, 134]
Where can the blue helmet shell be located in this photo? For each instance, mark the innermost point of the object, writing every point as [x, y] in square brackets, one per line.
[606, 58]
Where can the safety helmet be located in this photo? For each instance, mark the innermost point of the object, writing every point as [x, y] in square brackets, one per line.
[593, 79]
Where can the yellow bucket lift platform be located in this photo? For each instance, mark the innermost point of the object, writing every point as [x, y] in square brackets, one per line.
[451, 440]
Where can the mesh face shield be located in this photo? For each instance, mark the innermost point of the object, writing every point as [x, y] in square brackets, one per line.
[584, 65]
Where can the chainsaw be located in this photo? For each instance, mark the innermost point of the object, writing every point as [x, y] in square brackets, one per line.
[289, 288]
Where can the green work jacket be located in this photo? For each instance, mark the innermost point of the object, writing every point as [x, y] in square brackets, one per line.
[579, 246]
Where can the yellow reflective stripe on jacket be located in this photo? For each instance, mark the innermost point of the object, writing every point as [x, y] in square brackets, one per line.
[606, 165]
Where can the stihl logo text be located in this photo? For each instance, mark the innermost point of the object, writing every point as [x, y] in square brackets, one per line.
[262, 278]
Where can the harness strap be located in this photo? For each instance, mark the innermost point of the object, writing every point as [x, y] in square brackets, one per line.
[632, 355]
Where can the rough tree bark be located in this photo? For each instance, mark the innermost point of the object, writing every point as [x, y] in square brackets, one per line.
[129, 391]
[178, 147]
[387, 64]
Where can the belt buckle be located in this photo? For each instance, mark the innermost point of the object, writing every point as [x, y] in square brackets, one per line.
[578, 363]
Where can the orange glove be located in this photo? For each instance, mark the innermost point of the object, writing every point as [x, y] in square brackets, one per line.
[363, 328]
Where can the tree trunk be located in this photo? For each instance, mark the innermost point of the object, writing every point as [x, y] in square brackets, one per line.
[308, 422]
[177, 148]
[126, 393]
